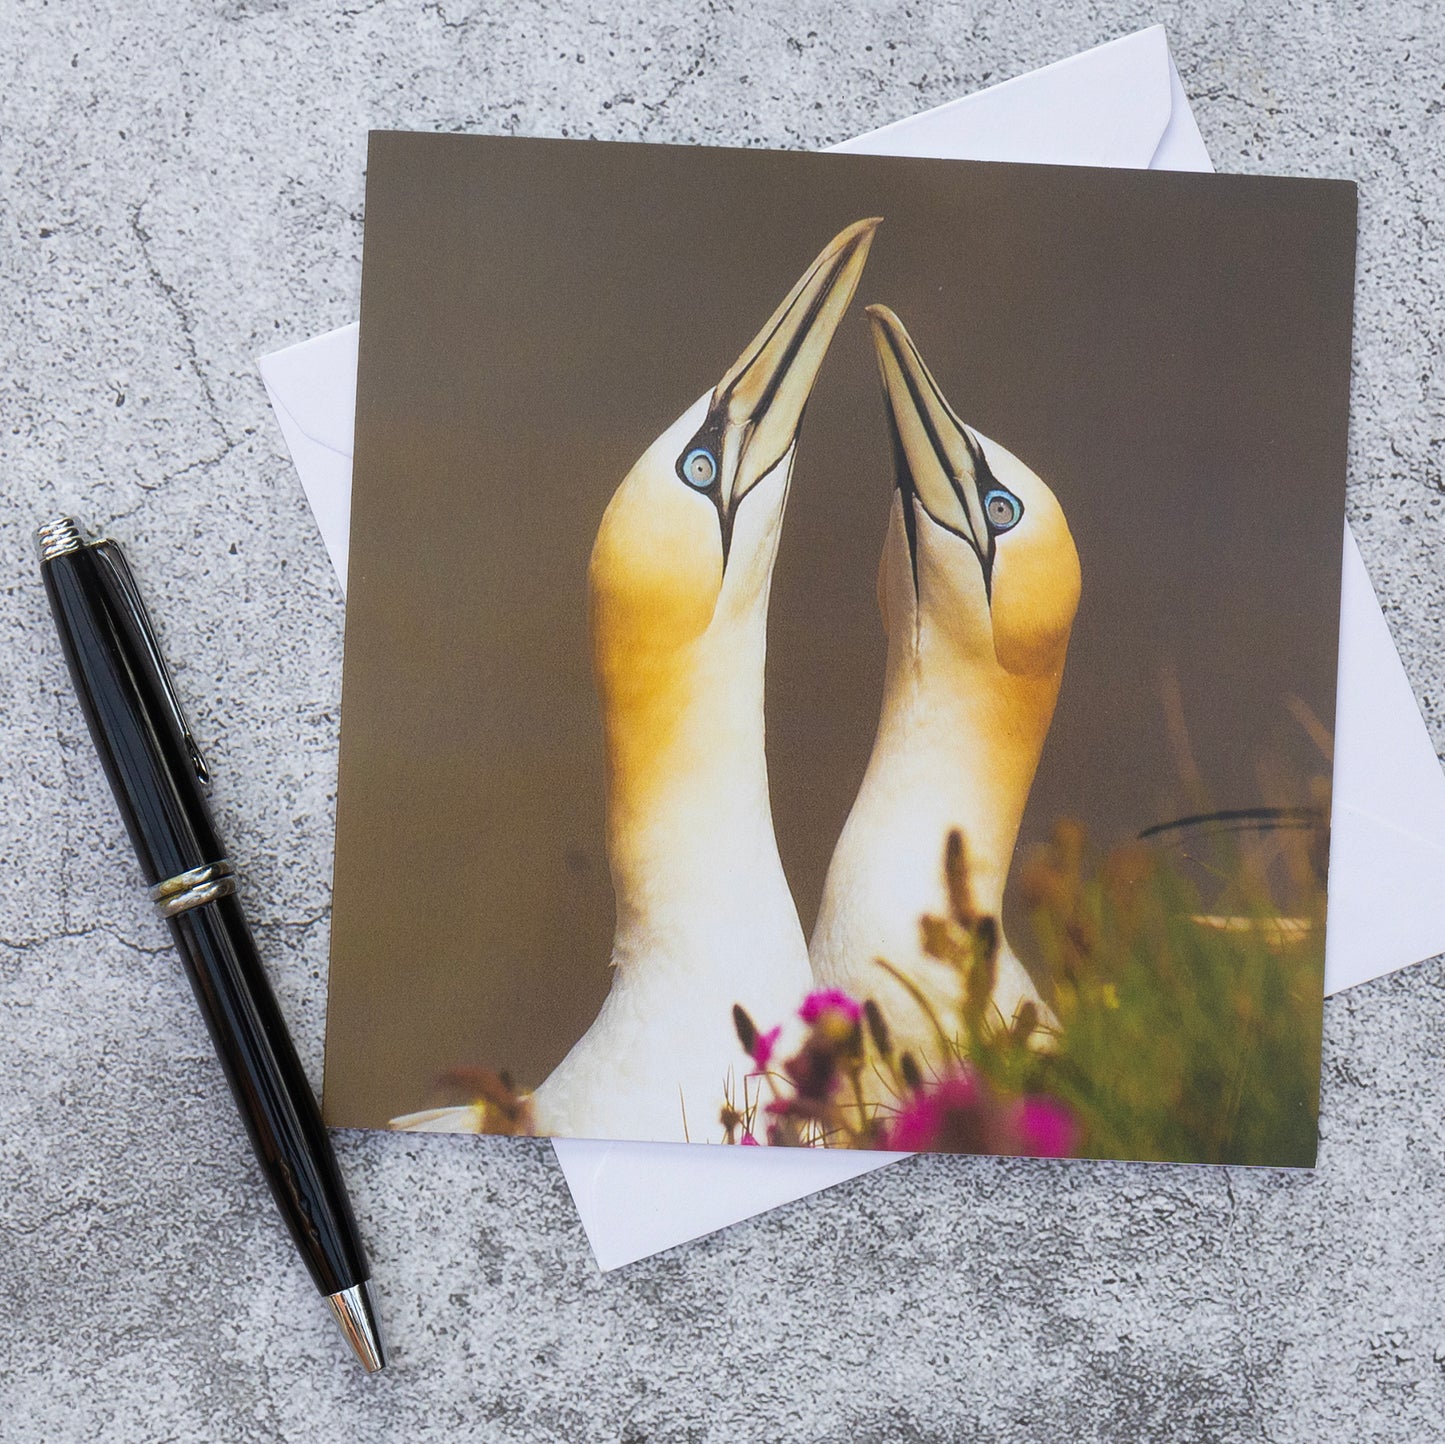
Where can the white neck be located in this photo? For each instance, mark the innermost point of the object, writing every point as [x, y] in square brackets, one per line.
[694, 859]
[958, 741]
[705, 919]
[957, 746]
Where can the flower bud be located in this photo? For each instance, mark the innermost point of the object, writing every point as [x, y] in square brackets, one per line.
[747, 1029]
[877, 1027]
[955, 872]
[1026, 1019]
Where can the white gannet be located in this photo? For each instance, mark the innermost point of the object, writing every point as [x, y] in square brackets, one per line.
[978, 587]
[678, 585]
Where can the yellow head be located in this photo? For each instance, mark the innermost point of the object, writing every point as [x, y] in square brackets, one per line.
[682, 564]
[979, 560]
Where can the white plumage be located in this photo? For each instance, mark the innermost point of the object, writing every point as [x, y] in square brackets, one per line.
[679, 583]
[978, 587]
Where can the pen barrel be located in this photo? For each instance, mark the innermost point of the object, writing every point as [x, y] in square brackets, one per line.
[122, 693]
[271, 1089]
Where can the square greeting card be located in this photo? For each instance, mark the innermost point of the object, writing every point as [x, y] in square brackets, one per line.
[840, 651]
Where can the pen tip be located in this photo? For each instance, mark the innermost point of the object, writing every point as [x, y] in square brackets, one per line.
[356, 1314]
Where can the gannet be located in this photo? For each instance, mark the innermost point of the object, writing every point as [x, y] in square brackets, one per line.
[978, 586]
[678, 600]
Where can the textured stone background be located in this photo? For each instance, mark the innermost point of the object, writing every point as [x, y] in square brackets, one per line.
[182, 190]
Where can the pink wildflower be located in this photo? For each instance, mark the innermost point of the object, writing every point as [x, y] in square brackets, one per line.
[1046, 1129]
[750, 1141]
[830, 1000]
[763, 1047]
[934, 1113]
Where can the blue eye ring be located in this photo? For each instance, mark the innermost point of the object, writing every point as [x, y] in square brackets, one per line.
[1003, 509]
[699, 468]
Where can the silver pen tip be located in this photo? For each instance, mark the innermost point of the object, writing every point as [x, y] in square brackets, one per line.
[356, 1314]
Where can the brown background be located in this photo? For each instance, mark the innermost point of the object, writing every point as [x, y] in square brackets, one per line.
[1170, 352]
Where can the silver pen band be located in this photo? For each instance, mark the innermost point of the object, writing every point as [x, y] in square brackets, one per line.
[57, 538]
[191, 889]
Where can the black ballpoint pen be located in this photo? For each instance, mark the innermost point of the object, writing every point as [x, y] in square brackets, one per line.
[159, 779]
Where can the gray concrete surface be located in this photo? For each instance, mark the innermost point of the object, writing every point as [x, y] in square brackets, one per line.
[182, 190]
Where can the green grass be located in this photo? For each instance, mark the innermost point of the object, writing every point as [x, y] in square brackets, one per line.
[1186, 976]
[1180, 1039]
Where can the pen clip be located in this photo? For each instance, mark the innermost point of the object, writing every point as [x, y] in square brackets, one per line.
[110, 552]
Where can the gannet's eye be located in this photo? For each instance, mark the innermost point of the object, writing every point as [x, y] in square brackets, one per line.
[699, 467]
[1003, 509]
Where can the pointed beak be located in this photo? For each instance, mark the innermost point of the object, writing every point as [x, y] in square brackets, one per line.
[758, 405]
[937, 462]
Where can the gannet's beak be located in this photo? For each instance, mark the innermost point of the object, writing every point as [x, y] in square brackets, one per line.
[756, 409]
[937, 461]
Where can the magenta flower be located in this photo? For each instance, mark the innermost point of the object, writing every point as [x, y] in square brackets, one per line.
[750, 1141]
[830, 1000]
[961, 1114]
[935, 1114]
[1046, 1129]
[763, 1047]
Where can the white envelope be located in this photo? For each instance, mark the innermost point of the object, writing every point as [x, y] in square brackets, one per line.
[1119, 105]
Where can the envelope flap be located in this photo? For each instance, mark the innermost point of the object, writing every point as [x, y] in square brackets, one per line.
[315, 381]
[1109, 106]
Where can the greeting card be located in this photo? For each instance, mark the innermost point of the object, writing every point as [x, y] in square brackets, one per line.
[840, 651]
